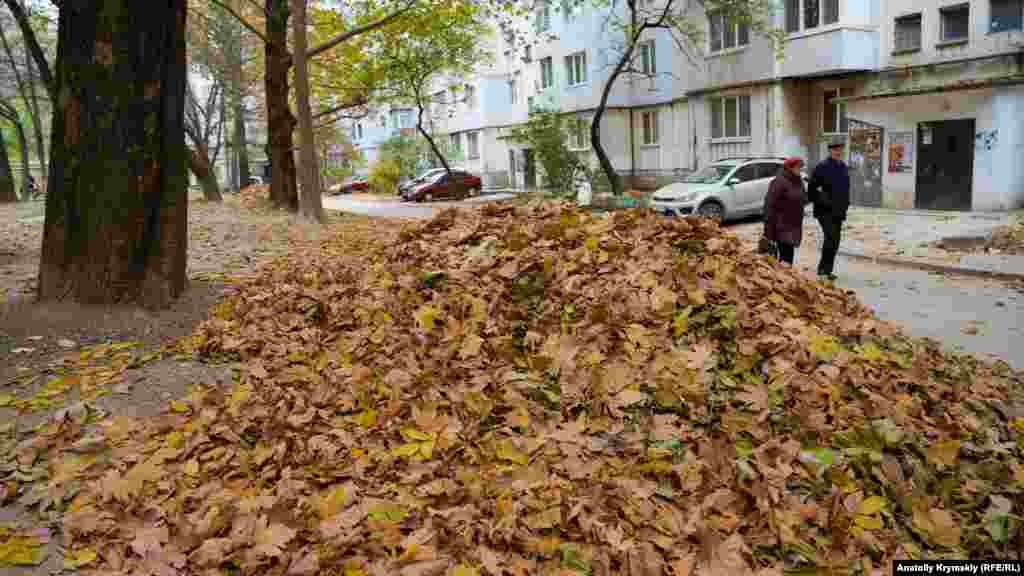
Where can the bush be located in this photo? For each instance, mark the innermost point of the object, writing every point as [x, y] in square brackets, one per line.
[384, 176]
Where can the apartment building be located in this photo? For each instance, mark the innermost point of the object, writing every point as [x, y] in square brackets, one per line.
[929, 94]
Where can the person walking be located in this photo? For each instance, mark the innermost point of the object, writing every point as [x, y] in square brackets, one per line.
[829, 190]
[784, 210]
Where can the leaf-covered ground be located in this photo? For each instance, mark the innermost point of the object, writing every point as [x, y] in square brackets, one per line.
[542, 390]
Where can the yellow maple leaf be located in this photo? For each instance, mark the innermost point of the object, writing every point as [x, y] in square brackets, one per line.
[945, 453]
[506, 450]
[425, 317]
[192, 468]
[465, 570]
[406, 450]
[74, 559]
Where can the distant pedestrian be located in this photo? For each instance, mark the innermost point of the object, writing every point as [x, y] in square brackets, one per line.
[784, 210]
[829, 190]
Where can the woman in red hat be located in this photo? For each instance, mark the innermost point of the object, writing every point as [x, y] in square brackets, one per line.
[784, 209]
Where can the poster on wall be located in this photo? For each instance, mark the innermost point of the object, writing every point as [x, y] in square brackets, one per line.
[901, 152]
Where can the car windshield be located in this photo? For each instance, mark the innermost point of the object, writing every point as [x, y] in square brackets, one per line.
[710, 174]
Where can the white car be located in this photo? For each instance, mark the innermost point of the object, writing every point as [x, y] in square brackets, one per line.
[728, 189]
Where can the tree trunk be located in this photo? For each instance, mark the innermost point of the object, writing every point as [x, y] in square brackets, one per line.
[238, 109]
[11, 114]
[37, 118]
[116, 209]
[199, 165]
[8, 188]
[280, 121]
[309, 202]
[595, 126]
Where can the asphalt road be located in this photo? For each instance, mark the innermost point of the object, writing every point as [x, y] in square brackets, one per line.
[398, 209]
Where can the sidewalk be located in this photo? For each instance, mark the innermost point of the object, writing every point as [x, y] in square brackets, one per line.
[909, 238]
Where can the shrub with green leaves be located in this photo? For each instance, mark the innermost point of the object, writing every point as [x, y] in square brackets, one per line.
[384, 176]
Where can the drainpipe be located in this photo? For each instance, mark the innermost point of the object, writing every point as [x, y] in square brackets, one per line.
[632, 150]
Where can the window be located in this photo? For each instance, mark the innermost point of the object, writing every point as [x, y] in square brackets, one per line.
[746, 173]
[955, 22]
[576, 68]
[834, 119]
[1006, 15]
[527, 54]
[473, 144]
[768, 170]
[383, 121]
[730, 117]
[547, 73]
[648, 64]
[579, 135]
[650, 123]
[544, 17]
[455, 142]
[405, 119]
[470, 96]
[908, 33]
[513, 90]
[357, 132]
[726, 34]
[815, 13]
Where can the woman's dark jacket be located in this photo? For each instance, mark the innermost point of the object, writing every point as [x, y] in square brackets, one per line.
[784, 209]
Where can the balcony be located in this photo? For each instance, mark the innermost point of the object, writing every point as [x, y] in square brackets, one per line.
[831, 50]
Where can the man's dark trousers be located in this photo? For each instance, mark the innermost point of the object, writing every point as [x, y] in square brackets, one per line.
[831, 229]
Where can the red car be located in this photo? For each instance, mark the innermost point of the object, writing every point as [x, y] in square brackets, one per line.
[356, 185]
[443, 186]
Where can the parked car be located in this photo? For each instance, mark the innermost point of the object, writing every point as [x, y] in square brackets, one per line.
[427, 176]
[357, 184]
[728, 189]
[255, 181]
[444, 185]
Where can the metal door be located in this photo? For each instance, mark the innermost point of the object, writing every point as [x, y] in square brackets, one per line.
[865, 162]
[945, 165]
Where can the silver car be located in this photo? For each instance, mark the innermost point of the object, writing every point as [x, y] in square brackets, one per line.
[728, 189]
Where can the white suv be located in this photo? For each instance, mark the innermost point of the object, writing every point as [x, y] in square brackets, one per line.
[726, 189]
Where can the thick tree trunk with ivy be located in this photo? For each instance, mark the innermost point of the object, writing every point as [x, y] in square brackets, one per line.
[8, 188]
[280, 121]
[116, 208]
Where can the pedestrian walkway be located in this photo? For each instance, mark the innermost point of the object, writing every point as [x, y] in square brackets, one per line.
[909, 238]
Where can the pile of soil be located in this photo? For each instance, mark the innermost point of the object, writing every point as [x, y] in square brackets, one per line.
[542, 390]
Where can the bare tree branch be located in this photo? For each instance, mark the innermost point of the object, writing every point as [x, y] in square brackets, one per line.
[238, 17]
[360, 30]
[36, 50]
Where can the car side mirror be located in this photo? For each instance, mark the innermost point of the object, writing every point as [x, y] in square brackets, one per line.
[734, 181]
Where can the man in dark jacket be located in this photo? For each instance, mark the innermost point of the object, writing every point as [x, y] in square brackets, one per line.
[829, 190]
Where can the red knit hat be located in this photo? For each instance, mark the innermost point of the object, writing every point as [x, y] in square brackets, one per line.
[792, 162]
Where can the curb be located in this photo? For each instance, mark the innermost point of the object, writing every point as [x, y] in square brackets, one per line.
[944, 268]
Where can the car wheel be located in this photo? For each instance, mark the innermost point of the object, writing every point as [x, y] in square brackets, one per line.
[428, 197]
[474, 192]
[712, 209]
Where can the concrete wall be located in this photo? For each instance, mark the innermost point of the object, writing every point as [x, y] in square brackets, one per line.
[996, 179]
[981, 42]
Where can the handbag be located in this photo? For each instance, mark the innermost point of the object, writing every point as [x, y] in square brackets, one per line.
[769, 247]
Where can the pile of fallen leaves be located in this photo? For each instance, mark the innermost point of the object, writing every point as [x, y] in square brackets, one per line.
[1007, 239]
[254, 195]
[542, 390]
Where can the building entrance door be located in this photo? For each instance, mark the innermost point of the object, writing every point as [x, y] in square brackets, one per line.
[945, 165]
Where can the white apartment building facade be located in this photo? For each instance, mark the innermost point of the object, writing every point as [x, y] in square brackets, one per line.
[929, 94]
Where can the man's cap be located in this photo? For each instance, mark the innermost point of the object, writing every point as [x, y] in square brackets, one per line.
[836, 143]
[792, 162]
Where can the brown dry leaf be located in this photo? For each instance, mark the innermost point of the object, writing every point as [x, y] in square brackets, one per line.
[491, 408]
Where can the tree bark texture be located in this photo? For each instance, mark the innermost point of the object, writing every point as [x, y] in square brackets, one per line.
[280, 121]
[116, 209]
[10, 113]
[8, 188]
[238, 109]
[197, 162]
[309, 202]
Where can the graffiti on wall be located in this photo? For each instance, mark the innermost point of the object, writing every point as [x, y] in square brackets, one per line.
[986, 140]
